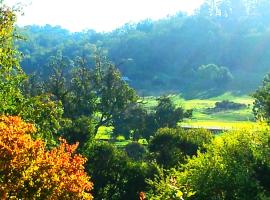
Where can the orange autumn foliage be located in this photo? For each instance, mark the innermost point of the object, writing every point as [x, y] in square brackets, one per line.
[29, 171]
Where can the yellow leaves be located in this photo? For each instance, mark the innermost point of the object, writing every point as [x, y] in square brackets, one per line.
[32, 171]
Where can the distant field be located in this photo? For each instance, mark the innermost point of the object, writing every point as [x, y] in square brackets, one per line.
[242, 118]
[223, 119]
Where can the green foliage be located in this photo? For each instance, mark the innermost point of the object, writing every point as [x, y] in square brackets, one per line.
[11, 74]
[115, 96]
[261, 107]
[80, 130]
[41, 110]
[114, 174]
[136, 151]
[46, 114]
[230, 167]
[170, 147]
[131, 123]
[213, 75]
[167, 115]
[83, 100]
[165, 186]
[57, 83]
[234, 165]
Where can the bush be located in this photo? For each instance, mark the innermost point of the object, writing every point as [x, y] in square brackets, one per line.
[226, 105]
[231, 168]
[116, 176]
[235, 166]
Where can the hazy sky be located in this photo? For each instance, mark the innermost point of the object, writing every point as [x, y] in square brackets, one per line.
[101, 15]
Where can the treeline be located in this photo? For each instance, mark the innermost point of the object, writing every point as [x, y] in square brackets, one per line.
[222, 47]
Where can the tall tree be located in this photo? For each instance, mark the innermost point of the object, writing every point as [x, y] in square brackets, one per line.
[114, 93]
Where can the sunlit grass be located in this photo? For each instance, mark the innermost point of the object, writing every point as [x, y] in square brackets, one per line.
[230, 119]
[200, 114]
[220, 124]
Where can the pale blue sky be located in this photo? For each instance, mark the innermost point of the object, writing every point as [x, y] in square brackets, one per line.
[101, 15]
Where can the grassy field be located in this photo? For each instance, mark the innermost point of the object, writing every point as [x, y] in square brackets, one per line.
[242, 118]
[202, 118]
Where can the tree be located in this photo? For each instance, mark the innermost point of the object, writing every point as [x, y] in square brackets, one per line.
[131, 123]
[114, 93]
[11, 74]
[213, 77]
[233, 165]
[83, 99]
[165, 186]
[57, 83]
[167, 115]
[261, 107]
[80, 130]
[136, 151]
[29, 171]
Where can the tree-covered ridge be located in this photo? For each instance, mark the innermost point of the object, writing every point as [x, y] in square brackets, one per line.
[169, 54]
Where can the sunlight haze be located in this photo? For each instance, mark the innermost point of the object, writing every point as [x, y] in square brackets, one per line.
[101, 15]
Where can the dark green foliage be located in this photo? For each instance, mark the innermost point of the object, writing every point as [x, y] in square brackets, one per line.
[57, 82]
[166, 148]
[261, 107]
[80, 130]
[131, 123]
[136, 151]
[136, 122]
[114, 174]
[83, 98]
[167, 115]
[115, 96]
[107, 166]
[46, 114]
[171, 146]
[226, 105]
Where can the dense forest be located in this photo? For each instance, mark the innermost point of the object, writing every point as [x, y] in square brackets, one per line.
[61, 92]
[225, 41]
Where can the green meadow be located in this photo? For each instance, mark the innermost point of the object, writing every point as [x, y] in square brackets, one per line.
[201, 118]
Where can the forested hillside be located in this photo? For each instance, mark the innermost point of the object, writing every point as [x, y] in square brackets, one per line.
[222, 47]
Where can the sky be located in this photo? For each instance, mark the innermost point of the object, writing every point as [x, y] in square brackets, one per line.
[100, 15]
